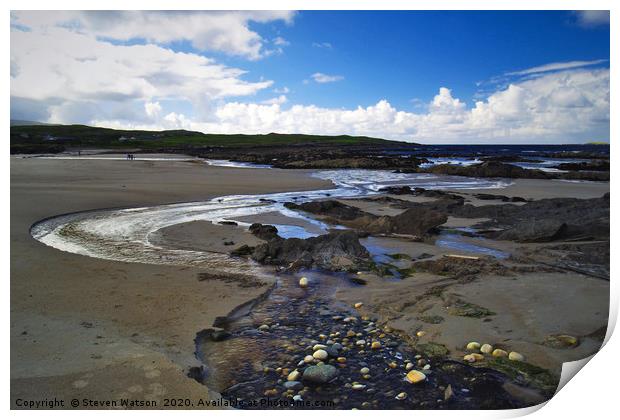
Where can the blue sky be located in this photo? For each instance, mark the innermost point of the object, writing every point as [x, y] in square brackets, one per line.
[476, 77]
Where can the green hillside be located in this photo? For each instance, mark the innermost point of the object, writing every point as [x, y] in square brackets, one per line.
[50, 138]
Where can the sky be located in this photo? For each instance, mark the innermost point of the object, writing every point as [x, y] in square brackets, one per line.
[483, 77]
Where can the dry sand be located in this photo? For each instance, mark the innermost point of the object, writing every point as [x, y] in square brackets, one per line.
[90, 328]
[528, 307]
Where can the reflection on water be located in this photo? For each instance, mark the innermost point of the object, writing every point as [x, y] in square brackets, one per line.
[123, 235]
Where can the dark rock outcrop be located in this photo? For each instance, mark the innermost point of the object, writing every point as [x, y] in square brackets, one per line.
[490, 169]
[595, 165]
[335, 251]
[329, 208]
[264, 232]
[415, 221]
[534, 230]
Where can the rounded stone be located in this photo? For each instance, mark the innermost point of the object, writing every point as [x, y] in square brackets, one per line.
[320, 354]
[499, 353]
[518, 357]
[486, 348]
[401, 396]
[294, 375]
[364, 371]
[469, 358]
[320, 374]
[293, 385]
[375, 345]
[303, 282]
[473, 346]
[308, 359]
[358, 305]
[415, 376]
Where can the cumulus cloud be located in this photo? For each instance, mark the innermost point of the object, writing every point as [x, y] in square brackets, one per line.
[325, 78]
[61, 67]
[227, 32]
[569, 106]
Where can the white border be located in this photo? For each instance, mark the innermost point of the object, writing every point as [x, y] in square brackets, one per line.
[592, 393]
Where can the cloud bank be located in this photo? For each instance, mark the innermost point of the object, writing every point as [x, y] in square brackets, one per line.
[70, 67]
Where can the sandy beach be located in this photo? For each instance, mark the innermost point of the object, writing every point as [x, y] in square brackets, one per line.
[97, 329]
[89, 328]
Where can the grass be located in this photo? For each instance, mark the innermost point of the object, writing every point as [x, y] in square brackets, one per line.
[29, 137]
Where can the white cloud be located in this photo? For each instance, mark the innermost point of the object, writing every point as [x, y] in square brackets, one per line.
[152, 109]
[322, 45]
[326, 78]
[62, 68]
[593, 17]
[228, 32]
[282, 90]
[281, 42]
[555, 67]
[569, 106]
[282, 99]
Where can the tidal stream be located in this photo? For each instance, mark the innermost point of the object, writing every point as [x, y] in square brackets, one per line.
[263, 346]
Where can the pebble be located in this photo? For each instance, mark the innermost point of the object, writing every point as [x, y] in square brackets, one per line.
[513, 355]
[469, 358]
[271, 393]
[478, 356]
[486, 348]
[341, 360]
[320, 354]
[448, 393]
[426, 367]
[303, 282]
[358, 387]
[375, 345]
[319, 347]
[358, 305]
[263, 327]
[401, 396]
[364, 371]
[297, 398]
[499, 353]
[294, 375]
[421, 333]
[473, 346]
[308, 359]
[415, 376]
[293, 385]
[360, 342]
[393, 365]
[409, 366]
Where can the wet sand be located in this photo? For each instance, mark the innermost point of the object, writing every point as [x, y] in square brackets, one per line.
[127, 330]
[89, 328]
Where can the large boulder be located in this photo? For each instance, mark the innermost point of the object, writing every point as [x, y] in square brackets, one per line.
[542, 230]
[334, 251]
